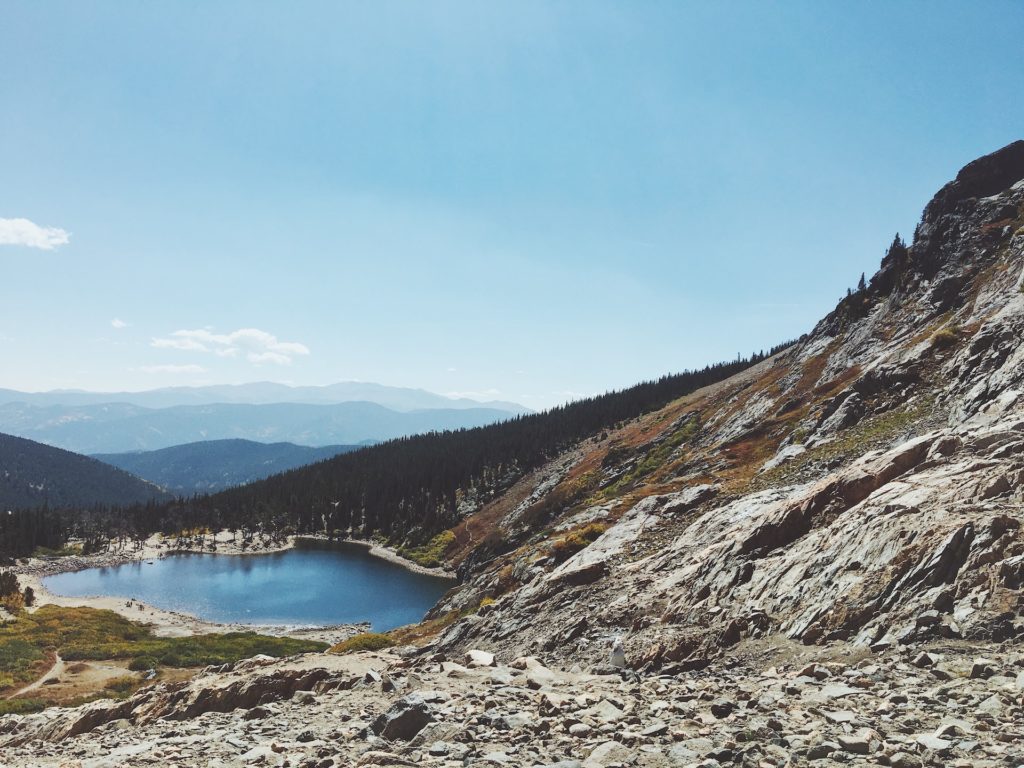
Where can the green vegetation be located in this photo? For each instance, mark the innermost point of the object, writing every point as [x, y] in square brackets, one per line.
[88, 633]
[122, 686]
[873, 432]
[37, 475]
[367, 641]
[143, 663]
[431, 554]
[574, 541]
[655, 458]
[21, 706]
[69, 550]
[11, 596]
[944, 338]
[20, 660]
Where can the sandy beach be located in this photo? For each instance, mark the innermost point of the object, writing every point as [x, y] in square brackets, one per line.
[175, 623]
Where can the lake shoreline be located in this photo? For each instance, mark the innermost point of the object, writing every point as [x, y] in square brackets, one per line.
[169, 623]
[157, 546]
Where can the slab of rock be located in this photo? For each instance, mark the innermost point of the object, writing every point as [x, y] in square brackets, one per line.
[477, 658]
[406, 718]
[603, 712]
[607, 753]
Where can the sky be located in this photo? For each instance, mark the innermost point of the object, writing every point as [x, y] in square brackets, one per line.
[522, 201]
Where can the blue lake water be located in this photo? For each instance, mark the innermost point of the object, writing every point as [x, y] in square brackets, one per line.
[309, 585]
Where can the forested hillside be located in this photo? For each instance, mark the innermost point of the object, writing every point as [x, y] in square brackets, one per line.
[406, 490]
[213, 465]
[32, 474]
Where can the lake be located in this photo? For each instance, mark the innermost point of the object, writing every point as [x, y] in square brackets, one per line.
[313, 584]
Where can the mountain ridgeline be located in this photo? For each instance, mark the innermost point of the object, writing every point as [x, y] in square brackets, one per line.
[407, 490]
[213, 465]
[119, 427]
[35, 475]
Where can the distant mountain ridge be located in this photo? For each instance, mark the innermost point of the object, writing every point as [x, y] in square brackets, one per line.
[263, 393]
[214, 465]
[32, 474]
[121, 427]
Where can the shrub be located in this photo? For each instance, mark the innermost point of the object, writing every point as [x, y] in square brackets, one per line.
[13, 602]
[8, 583]
[29, 597]
[142, 663]
[122, 685]
[21, 706]
[944, 338]
[577, 540]
[431, 554]
[367, 641]
[69, 550]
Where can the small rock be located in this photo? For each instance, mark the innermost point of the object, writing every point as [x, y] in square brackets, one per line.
[925, 659]
[722, 708]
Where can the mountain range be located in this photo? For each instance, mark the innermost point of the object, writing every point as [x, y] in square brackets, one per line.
[263, 393]
[213, 465]
[120, 427]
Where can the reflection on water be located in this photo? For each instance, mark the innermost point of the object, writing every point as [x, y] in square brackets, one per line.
[312, 585]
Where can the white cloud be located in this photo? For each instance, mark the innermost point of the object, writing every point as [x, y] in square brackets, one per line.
[31, 235]
[258, 346]
[173, 369]
[118, 323]
[173, 343]
[269, 357]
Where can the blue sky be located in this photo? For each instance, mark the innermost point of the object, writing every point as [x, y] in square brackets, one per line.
[524, 201]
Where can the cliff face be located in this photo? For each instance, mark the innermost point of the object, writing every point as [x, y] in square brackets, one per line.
[865, 485]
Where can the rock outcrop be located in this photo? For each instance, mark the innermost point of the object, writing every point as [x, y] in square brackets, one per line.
[775, 703]
[869, 482]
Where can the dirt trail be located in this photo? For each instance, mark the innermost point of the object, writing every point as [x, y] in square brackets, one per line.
[53, 672]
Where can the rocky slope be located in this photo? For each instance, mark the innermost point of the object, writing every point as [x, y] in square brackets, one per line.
[863, 486]
[817, 561]
[771, 706]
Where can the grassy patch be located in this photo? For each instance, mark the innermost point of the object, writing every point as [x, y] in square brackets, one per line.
[70, 550]
[87, 633]
[654, 459]
[873, 432]
[21, 706]
[367, 641]
[143, 663]
[431, 554]
[122, 686]
[577, 540]
[944, 338]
